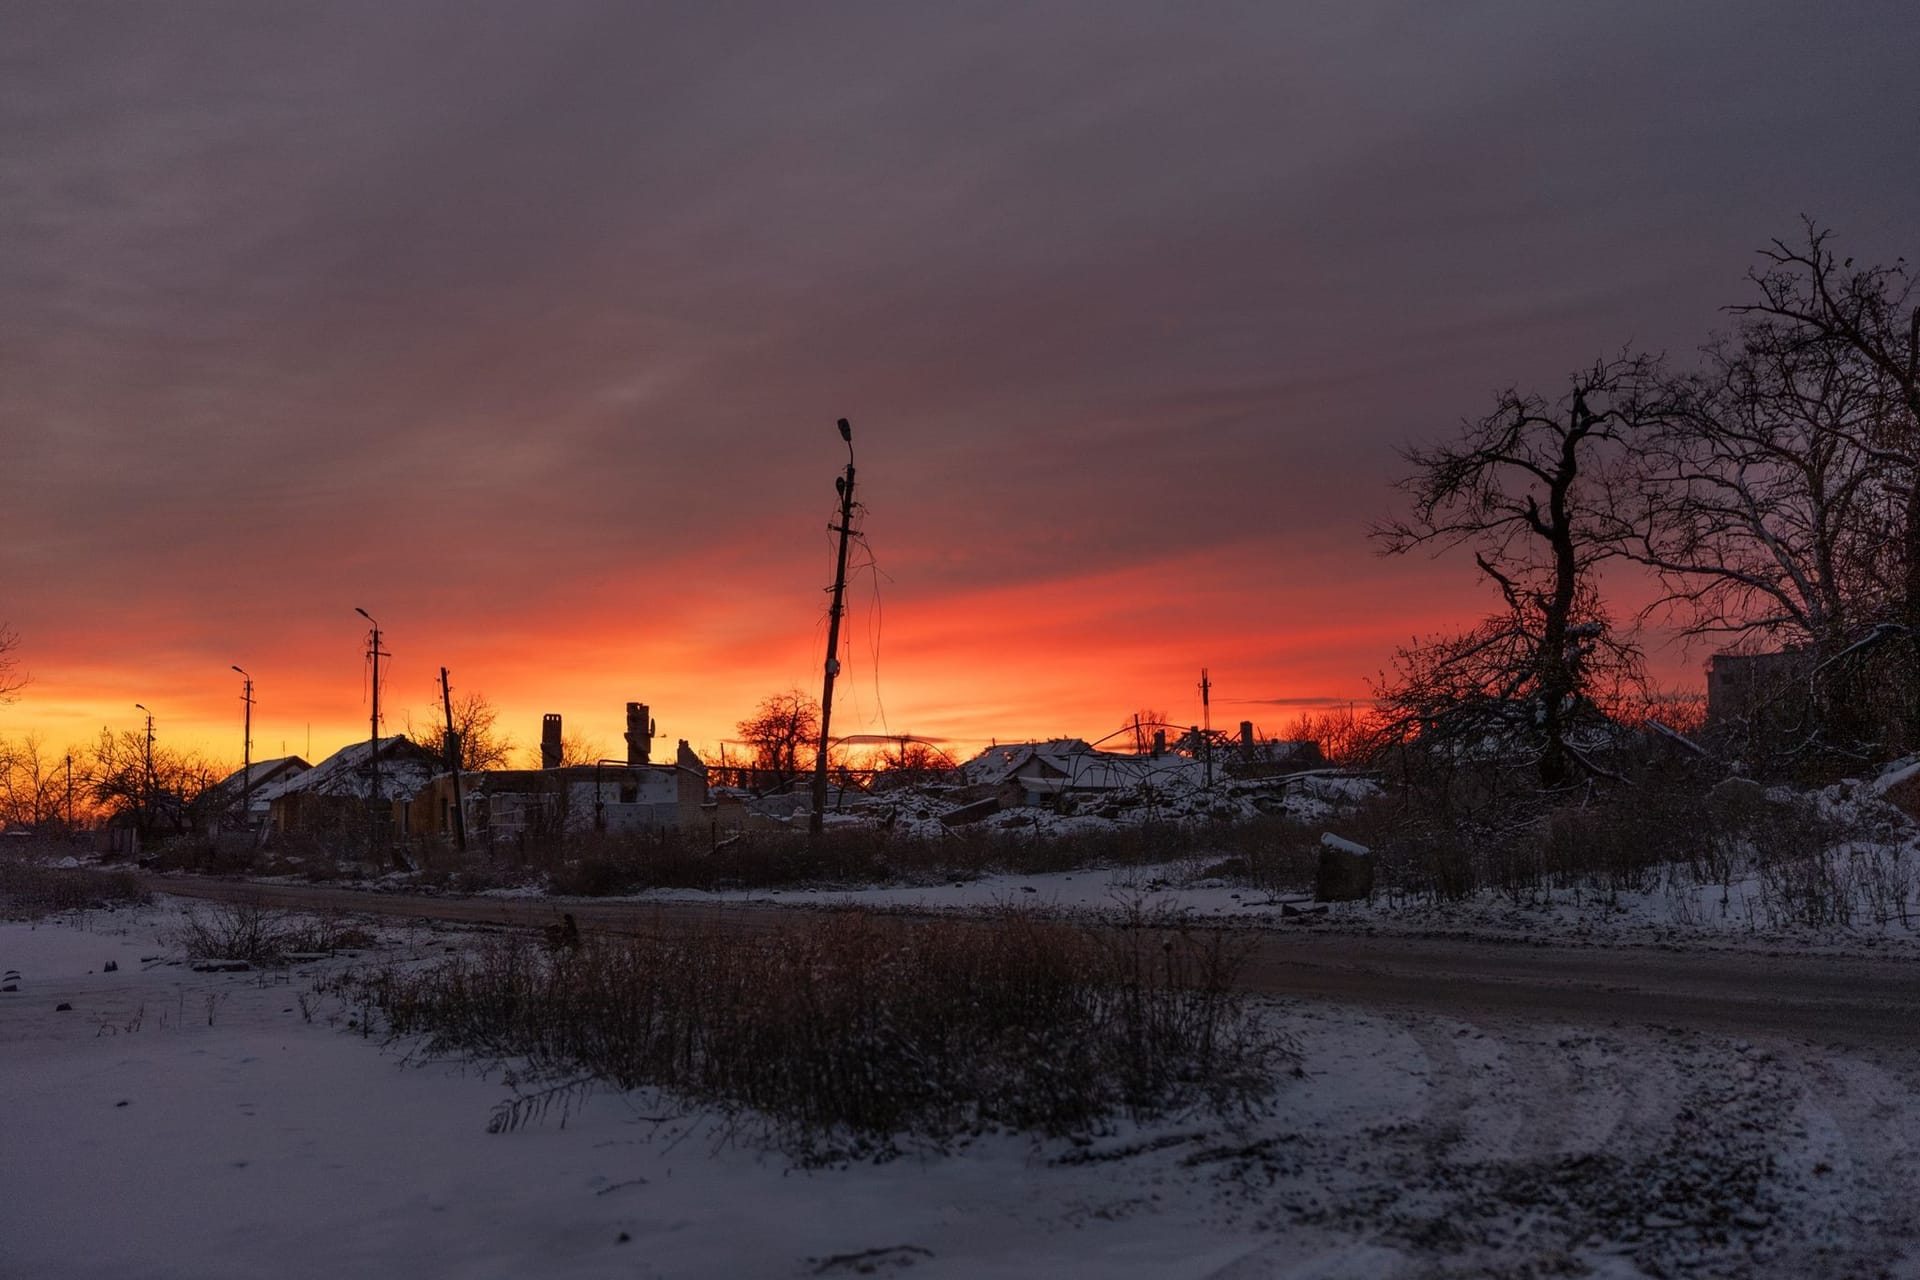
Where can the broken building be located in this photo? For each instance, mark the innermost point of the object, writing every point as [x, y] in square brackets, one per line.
[635, 794]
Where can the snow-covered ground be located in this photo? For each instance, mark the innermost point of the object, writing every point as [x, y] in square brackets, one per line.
[1167, 789]
[182, 1124]
[1864, 891]
[1676, 912]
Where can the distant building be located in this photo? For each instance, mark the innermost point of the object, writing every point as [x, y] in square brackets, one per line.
[611, 796]
[1039, 772]
[254, 783]
[333, 796]
[1763, 691]
[1253, 757]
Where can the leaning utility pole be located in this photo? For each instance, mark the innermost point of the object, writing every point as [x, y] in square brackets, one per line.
[452, 745]
[1206, 723]
[373, 740]
[817, 821]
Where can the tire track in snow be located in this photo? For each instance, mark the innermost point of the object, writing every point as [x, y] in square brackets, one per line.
[1856, 1167]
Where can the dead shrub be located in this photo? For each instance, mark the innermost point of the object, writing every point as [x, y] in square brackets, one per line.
[846, 1033]
[588, 864]
[29, 890]
[262, 936]
[242, 931]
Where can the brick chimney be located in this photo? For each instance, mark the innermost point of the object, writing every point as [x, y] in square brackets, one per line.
[639, 734]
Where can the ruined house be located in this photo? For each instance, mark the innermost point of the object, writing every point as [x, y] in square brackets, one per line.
[1032, 773]
[637, 794]
[333, 797]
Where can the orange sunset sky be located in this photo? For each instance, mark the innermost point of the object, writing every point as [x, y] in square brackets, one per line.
[525, 328]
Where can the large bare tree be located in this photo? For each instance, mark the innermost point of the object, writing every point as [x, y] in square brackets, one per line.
[781, 737]
[1763, 505]
[1763, 499]
[1532, 489]
[1810, 297]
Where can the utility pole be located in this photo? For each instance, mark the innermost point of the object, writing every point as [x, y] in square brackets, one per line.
[817, 822]
[453, 764]
[146, 816]
[246, 752]
[1206, 723]
[69, 793]
[373, 739]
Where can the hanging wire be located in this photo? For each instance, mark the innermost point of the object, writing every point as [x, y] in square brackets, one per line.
[876, 624]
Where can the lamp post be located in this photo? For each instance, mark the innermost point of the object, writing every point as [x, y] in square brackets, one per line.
[246, 749]
[144, 814]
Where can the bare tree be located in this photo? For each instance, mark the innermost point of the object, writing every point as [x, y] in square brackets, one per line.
[781, 737]
[165, 789]
[12, 679]
[907, 762]
[1343, 735]
[32, 783]
[1768, 512]
[1533, 490]
[576, 748]
[476, 721]
[1139, 728]
[1762, 495]
[1810, 297]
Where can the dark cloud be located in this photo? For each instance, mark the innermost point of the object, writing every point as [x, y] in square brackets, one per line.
[458, 302]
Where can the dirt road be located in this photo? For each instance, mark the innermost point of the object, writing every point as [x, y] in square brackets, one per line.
[1857, 1000]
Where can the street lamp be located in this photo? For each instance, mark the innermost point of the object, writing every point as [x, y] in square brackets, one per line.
[246, 749]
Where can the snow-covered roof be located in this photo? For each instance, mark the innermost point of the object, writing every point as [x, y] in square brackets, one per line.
[998, 763]
[404, 769]
[1105, 771]
[260, 771]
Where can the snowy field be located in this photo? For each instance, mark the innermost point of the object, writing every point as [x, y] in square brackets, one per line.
[1679, 914]
[174, 1123]
[1862, 892]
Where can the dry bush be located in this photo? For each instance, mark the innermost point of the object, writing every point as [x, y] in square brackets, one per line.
[29, 890]
[1820, 870]
[597, 865]
[233, 931]
[262, 936]
[1272, 854]
[1674, 826]
[848, 1032]
[1471, 833]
